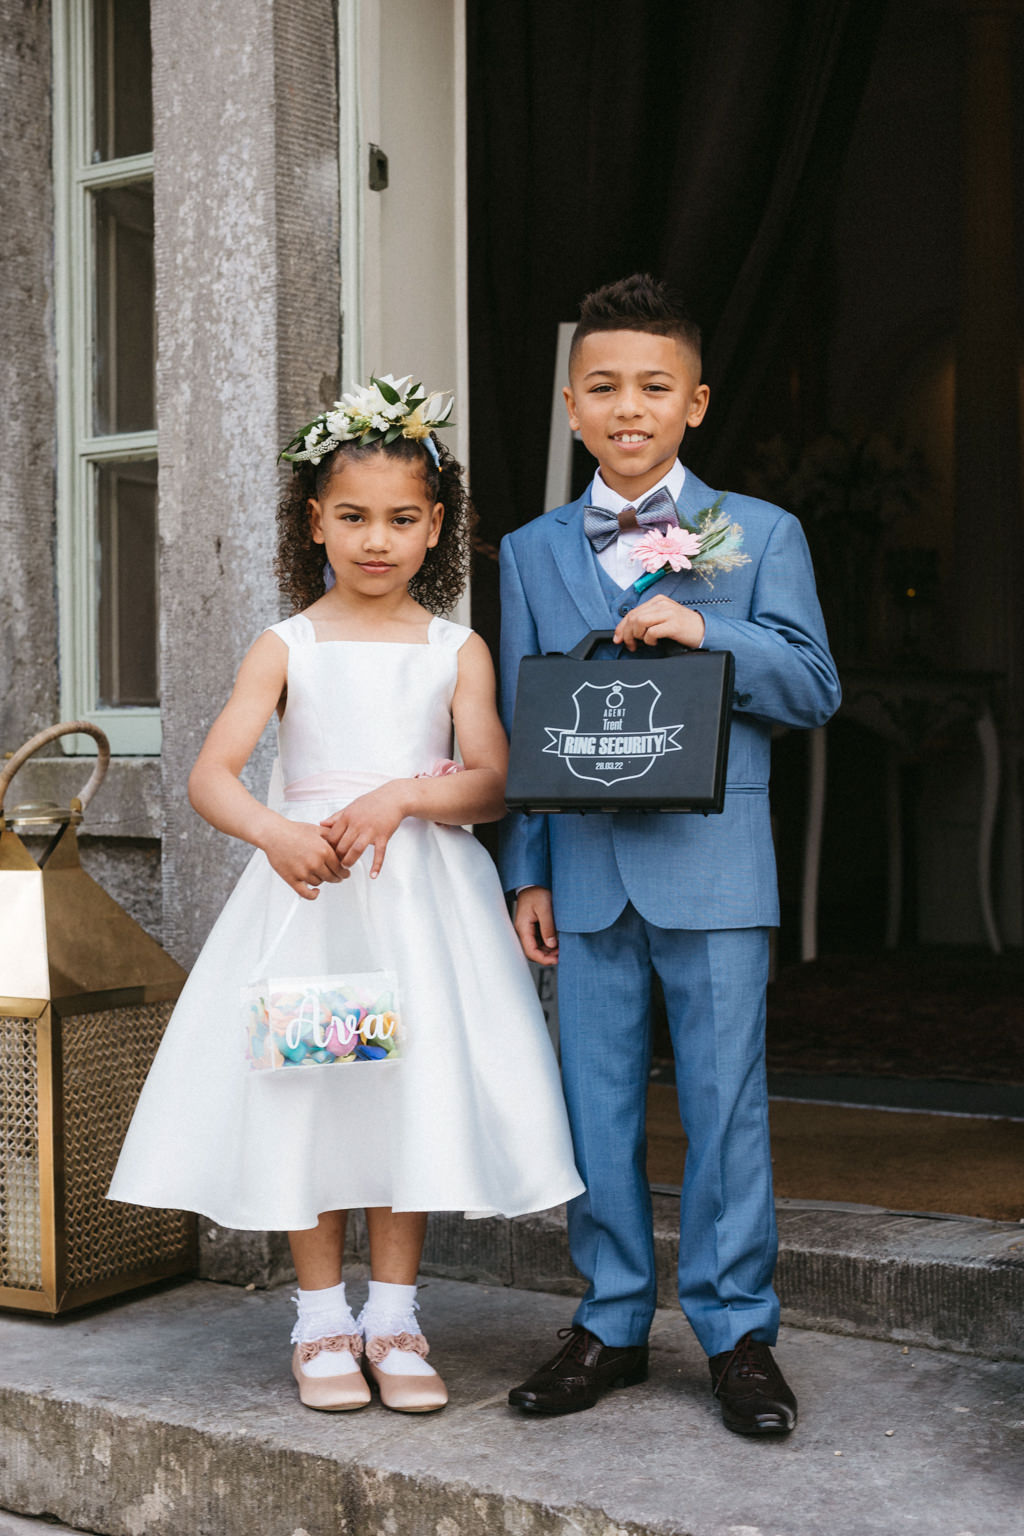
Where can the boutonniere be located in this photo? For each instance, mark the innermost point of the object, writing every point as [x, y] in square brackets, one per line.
[714, 545]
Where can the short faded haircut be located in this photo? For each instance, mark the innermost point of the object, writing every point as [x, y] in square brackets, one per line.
[637, 303]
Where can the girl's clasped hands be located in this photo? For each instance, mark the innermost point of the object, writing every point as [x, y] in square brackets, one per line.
[369, 821]
[307, 856]
[303, 856]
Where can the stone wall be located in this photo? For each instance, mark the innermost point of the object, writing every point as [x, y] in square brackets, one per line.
[28, 633]
[248, 293]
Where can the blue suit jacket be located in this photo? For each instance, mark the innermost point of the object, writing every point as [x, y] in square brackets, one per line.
[679, 871]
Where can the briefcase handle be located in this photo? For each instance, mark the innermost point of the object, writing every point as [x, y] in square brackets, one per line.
[586, 647]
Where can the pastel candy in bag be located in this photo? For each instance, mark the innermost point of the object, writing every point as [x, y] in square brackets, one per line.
[322, 1021]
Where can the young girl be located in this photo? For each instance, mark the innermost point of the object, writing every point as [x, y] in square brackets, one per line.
[363, 865]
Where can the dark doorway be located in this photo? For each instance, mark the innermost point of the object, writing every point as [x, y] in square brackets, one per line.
[836, 188]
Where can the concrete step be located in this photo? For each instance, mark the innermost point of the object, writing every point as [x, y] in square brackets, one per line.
[943, 1282]
[26, 1525]
[174, 1414]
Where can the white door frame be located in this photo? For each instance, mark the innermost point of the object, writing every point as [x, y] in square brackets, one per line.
[404, 250]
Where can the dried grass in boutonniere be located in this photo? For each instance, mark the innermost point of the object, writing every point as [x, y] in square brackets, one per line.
[715, 545]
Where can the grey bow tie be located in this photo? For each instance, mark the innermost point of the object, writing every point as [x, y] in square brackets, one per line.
[603, 527]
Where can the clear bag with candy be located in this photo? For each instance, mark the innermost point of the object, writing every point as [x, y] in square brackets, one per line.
[322, 1021]
[349, 1018]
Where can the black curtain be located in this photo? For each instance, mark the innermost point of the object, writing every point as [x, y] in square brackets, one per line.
[701, 142]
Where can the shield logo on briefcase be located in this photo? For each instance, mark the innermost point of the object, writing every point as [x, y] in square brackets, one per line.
[614, 736]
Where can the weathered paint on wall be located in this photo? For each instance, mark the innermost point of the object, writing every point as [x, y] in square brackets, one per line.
[28, 629]
[245, 129]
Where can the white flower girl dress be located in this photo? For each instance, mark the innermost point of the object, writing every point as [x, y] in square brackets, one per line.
[471, 1116]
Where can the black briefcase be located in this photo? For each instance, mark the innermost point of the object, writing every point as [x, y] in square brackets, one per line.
[642, 732]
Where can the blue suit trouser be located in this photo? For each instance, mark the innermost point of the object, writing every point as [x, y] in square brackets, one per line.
[714, 985]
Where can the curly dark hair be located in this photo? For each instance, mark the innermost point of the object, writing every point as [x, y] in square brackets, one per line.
[439, 582]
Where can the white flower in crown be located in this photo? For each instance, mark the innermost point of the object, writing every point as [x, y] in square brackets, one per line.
[339, 425]
[361, 404]
[398, 385]
[435, 410]
[370, 401]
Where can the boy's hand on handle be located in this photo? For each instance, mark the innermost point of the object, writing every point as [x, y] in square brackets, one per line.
[370, 819]
[535, 925]
[302, 856]
[660, 618]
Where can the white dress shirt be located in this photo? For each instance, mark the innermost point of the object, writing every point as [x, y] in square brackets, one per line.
[615, 557]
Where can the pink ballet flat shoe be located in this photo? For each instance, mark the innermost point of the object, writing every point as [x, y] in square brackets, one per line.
[405, 1394]
[332, 1394]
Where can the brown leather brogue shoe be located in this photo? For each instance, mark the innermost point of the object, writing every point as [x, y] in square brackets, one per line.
[754, 1394]
[579, 1373]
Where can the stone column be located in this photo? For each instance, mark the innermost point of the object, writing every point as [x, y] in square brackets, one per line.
[28, 650]
[248, 303]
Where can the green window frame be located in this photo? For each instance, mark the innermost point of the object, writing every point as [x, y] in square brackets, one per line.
[107, 445]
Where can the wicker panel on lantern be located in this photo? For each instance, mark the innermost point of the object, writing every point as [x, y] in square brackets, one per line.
[20, 1259]
[106, 1237]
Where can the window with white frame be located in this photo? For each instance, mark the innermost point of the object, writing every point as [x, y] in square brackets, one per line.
[106, 365]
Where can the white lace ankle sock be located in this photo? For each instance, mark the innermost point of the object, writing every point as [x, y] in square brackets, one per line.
[323, 1315]
[391, 1309]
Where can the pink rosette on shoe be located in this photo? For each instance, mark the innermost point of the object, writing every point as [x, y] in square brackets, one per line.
[404, 1394]
[338, 1342]
[381, 1345]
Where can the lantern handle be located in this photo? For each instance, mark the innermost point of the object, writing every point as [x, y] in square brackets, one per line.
[52, 733]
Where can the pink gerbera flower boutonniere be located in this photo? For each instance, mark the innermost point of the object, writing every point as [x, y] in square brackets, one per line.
[715, 545]
[673, 548]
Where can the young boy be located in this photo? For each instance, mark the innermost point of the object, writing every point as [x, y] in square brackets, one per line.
[611, 897]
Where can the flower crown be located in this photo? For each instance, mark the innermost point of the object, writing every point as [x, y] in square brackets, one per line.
[385, 409]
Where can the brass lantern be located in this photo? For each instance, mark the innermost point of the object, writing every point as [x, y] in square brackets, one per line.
[85, 995]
